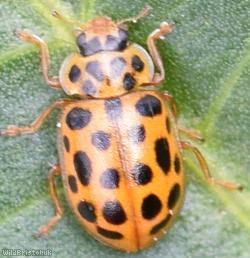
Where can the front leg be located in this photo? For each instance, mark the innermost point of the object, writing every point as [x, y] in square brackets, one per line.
[28, 37]
[14, 130]
[164, 29]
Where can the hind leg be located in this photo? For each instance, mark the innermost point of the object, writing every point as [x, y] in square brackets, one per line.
[54, 171]
[205, 169]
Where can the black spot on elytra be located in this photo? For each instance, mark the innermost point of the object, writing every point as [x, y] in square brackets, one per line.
[89, 88]
[155, 229]
[149, 106]
[174, 196]
[128, 81]
[177, 164]
[66, 143]
[74, 73]
[110, 179]
[72, 184]
[137, 134]
[162, 154]
[101, 140]
[142, 174]
[78, 118]
[117, 65]
[151, 206]
[87, 211]
[168, 125]
[137, 64]
[113, 108]
[94, 69]
[114, 213]
[83, 167]
[109, 234]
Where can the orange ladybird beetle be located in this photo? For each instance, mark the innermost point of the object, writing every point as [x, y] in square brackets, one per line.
[120, 153]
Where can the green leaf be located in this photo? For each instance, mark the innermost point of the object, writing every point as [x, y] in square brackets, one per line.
[207, 61]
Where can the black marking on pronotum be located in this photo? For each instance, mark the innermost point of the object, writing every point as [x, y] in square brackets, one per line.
[74, 73]
[155, 229]
[78, 118]
[149, 106]
[83, 167]
[93, 46]
[114, 213]
[110, 179]
[123, 39]
[151, 206]
[163, 154]
[114, 43]
[111, 43]
[72, 183]
[109, 234]
[81, 43]
[90, 47]
[87, 211]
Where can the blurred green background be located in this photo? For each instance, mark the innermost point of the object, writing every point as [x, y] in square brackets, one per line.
[207, 61]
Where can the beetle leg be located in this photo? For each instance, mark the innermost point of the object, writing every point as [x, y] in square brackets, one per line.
[14, 130]
[45, 60]
[164, 29]
[144, 12]
[228, 185]
[169, 98]
[192, 134]
[54, 171]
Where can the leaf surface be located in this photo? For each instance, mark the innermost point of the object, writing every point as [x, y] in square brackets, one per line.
[207, 61]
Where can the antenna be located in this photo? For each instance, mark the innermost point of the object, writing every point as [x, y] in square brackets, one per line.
[68, 21]
[144, 12]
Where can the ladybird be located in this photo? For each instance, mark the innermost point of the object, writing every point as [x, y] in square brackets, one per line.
[120, 155]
